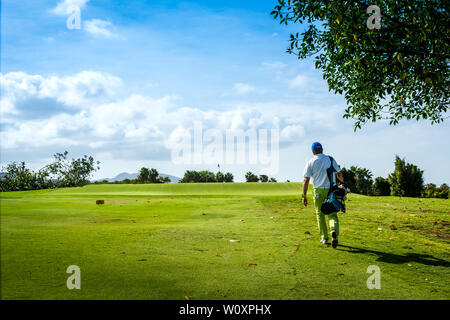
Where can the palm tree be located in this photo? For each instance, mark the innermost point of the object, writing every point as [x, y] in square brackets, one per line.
[144, 175]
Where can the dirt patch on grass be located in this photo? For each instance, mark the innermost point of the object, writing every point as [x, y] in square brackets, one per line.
[432, 211]
[438, 229]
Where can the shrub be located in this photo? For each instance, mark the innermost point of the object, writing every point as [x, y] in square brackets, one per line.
[381, 187]
[250, 177]
[431, 191]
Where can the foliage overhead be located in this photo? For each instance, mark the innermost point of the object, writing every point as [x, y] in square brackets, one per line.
[400, 71]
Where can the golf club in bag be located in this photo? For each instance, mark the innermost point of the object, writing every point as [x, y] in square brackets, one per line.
[337, 194]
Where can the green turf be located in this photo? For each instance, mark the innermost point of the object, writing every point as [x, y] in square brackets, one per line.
[171, 241]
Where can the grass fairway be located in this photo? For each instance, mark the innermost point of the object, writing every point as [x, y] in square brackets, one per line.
[171, 241]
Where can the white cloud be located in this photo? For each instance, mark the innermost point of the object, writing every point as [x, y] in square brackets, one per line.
[64, 7]
[292, 133]
[100, 28]
[310, 84]
[101, 119]
[300, 82]
[135, 127]
[72, 91]
[243, 88]
[276, 65]
[139, 127]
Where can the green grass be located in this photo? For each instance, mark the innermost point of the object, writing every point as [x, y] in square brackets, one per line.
[171, 241]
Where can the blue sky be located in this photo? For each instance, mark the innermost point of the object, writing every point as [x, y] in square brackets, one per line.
[138, 71]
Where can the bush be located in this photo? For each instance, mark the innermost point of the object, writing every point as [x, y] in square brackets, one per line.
[147, 175]
[250, 177]
[220, 177]
[205, 176]
[228, 177]
[381, 187]
[430, 191]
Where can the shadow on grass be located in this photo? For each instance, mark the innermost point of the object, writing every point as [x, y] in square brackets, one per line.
[425, 259]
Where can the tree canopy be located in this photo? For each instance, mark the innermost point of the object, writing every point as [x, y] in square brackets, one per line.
[399, 71]
[62, 172]
[359, 180]
[147, 175]
[192, 176]
[406, 180]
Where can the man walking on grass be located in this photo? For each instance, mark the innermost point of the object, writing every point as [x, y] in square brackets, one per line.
[316, 168]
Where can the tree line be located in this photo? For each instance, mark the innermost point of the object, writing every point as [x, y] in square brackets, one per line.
[62, 172]
[145, 175]
[405, 181]
[251, 177]
[192, 176]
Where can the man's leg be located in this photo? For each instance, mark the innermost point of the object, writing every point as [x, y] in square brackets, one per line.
[334, 228]
[320, 196]
[334, 222]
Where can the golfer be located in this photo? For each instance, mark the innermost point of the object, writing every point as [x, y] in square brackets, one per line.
[316, 169]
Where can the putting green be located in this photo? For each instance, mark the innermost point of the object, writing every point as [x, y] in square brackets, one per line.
[173, 240]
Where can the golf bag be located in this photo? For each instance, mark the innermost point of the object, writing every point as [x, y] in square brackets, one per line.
[337, 194]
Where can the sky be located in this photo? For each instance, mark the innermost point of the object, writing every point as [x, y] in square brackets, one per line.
[136, 76]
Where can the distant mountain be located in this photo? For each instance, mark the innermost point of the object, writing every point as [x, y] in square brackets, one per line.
[125, 175]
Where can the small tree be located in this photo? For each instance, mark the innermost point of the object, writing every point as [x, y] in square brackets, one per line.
[190, 176]
[250, 177]
[220, 177]
[17, 177]
[349, 178]
[406, 180]
[273, 180]
[443, 191]
[263, 178]
[164, 179]
[144, 175]
[61, 173]
[153, 175]
[431, 191]
[70, 173]
[364, 180]
[359, 180]
[207, 176]
[381, 187]
[228, 177]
